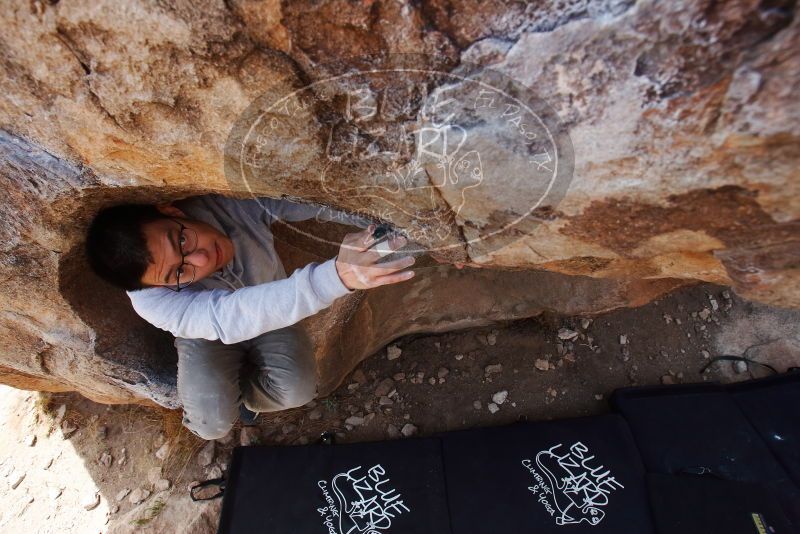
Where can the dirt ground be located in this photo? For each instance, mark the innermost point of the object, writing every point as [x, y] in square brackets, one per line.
[534, 369]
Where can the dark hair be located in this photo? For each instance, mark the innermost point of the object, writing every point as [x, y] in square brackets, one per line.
[116, 246]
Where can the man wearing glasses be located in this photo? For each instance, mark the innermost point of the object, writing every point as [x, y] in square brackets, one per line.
[206, 270]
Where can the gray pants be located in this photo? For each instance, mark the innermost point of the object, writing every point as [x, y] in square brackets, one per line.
[271, 372]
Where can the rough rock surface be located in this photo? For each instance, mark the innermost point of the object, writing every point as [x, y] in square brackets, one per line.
[682, 115]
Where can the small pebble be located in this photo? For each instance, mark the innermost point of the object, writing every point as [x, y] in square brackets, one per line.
[138, 495]
[354, 421]
[566, 334]
[214, 472]
[393, 352]
[500, 397]
[408, 430]
[206, 454]
[106, 459]
[16, 480]
[493, 369]
[90, 501]
[163, 451]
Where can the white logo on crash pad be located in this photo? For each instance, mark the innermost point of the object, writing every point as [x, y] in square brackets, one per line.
[360, 501]
[571, 485]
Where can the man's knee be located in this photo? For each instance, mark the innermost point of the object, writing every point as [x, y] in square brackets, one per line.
[208, 428]
[292, 390]
[210, 416]
[300, 390]
[285, 374]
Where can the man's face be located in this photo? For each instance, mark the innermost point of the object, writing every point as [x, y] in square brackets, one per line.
[212, 252]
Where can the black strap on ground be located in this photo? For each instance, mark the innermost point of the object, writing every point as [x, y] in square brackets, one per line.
[219, 482]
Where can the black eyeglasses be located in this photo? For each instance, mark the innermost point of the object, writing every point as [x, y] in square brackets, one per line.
[187, 240]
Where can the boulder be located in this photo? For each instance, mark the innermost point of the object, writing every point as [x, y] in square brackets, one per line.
[674, 125]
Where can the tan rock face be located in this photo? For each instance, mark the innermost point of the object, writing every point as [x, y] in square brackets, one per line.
[682, 117]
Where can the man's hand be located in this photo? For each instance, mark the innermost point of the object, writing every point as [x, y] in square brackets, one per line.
[357, 267]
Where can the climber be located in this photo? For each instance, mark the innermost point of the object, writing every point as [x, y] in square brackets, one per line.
[206, 270]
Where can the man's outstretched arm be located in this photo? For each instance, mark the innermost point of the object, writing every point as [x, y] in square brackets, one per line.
[234, 316]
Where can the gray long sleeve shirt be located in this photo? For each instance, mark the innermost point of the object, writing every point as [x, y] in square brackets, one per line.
[252, 294]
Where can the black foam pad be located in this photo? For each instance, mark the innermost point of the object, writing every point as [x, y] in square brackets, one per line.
[687, 504]
[576, 475]
[773, 407]
[701, 428]
[392, 487]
